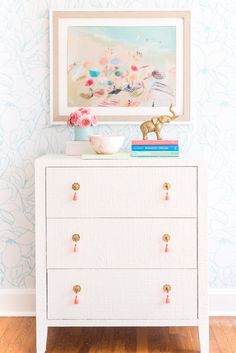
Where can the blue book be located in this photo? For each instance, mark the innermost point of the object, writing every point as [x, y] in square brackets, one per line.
[155, 148]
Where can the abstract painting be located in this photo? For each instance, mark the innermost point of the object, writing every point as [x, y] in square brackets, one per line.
[121, 66]
[125, 66]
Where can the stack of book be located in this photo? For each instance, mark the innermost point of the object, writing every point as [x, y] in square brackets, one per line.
[155, 148]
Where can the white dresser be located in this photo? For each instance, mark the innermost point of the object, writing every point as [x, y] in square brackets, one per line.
[121, 243]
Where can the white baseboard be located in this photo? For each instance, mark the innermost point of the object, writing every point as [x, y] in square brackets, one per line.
[17, 302]
[21, 302]
[222, 302]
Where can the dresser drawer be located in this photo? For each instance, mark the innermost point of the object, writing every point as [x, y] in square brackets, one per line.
[121, 243]
[122, 192]
[122, 294]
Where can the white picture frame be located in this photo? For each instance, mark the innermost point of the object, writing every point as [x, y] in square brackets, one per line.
[61, 20]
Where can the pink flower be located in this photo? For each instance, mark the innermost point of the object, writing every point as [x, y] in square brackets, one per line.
[74, 118]
[85, 121]
[82, 118]
[84, 111]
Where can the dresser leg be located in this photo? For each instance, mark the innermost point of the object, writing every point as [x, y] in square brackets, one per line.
[41, 339]
[204, 335]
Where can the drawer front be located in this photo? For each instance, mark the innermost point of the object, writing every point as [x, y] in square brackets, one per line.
[122, 294]
[122, 192]
[121, 243]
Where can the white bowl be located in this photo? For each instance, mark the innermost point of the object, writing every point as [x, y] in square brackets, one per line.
[103, 144]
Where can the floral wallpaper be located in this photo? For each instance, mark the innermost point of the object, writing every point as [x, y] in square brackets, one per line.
[25, 132]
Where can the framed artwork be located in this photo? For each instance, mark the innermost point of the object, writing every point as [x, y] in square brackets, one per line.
[123, 65]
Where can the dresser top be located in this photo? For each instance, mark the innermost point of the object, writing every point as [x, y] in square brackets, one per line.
[61, 160]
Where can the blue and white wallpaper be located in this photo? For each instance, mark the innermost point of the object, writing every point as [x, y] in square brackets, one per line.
[25, 132]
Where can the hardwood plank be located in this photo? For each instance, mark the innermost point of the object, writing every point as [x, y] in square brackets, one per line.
[228, 325]
[185, 342]
[59, 341]
[192, 337]
[214, 348]
[25, 339]
[10, 334]
[3, 325]
[105, 341]
[176, 339]
[87, 337]
[142, 346]
[220, 336]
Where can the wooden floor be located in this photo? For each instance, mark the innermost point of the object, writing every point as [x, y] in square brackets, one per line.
[17, 335]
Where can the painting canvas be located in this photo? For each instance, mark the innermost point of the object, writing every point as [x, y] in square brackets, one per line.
[125, 66]
[121, 66]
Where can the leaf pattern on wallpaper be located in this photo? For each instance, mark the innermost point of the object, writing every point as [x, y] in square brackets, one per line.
[25, 132]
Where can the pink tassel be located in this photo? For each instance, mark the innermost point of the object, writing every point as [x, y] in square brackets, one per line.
[75, 248]
[76, 301]
[167, 299]
[75, 198]
[167, 248]
[167, 197]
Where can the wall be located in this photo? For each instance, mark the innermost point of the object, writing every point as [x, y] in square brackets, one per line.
[25, 132]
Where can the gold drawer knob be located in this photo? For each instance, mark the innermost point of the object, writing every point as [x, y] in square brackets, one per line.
[167, 289]
[75, 238]
[76, 290]
[166, 239]
[75, 187]
[166, 187]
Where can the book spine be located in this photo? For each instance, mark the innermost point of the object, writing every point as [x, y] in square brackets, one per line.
[154, 142]
[155, 148]
[154, 154]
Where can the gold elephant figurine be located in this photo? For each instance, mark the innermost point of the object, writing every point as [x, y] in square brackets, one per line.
[156, 124]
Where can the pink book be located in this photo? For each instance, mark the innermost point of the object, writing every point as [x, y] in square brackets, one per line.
[154, 142]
